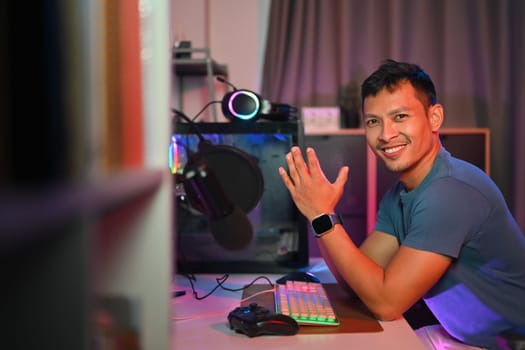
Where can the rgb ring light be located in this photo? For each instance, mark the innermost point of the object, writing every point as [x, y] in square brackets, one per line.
[243, 104]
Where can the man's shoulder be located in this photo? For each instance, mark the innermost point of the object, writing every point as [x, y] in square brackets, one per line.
[448, 166]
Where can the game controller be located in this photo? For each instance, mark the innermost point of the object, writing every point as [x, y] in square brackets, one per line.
[256, 320]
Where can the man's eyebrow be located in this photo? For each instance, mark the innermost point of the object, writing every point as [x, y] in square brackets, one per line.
[397, 110]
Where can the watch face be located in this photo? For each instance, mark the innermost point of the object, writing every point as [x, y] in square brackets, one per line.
[322, 224]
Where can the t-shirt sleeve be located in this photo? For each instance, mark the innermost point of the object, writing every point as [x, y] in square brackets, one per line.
[388, 218]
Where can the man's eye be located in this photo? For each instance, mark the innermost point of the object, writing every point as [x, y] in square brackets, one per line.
[371, 122]
[400, 116]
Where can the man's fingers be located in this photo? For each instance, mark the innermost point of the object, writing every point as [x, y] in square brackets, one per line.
[300, 164]
[291, 167]
[313, 164]
[342, 177]
[288, 182]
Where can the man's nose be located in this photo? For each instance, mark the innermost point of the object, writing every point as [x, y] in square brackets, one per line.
[388, 131]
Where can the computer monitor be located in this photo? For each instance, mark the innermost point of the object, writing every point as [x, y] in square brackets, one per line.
[280, 242]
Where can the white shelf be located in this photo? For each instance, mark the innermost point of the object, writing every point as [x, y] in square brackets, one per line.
[30, 217]
[82, 214]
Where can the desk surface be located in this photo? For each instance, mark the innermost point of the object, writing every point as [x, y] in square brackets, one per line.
[210, 330]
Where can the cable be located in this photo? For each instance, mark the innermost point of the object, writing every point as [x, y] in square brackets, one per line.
[203, 109]
[221, 312]
[220, 284]
[193, 125]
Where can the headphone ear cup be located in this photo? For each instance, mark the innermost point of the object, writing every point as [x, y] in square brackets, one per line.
[241, 105]
[224, 105]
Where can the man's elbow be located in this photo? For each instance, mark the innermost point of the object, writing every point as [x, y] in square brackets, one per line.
[387, 313]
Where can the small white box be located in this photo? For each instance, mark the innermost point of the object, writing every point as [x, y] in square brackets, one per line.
[321, 118]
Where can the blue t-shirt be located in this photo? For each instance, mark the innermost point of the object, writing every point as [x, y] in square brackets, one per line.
[458, 211]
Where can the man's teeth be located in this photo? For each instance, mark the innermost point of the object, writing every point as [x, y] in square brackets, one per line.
[393, 149]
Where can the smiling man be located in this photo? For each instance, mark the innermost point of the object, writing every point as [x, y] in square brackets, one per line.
[443, 232]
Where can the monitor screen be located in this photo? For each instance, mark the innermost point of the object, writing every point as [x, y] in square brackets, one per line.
[279, 240]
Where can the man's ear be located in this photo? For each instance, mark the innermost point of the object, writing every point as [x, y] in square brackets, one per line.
[437, 116]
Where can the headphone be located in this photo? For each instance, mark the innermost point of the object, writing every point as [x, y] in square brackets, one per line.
[245, 105]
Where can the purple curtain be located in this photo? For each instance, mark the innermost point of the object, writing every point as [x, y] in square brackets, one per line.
[319, 51]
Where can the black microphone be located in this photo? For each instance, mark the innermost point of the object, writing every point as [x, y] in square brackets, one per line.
[229, 224]
[224, 81]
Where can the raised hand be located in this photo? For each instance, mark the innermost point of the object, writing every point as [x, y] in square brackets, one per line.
[311, 191]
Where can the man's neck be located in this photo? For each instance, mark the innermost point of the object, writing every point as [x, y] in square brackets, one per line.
[415, 175]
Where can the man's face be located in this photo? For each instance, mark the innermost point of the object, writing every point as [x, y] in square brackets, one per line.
[401, 130]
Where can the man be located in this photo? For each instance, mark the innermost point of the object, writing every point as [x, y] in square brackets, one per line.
[443, 232]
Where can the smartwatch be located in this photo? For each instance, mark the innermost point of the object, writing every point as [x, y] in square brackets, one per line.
[324, 223]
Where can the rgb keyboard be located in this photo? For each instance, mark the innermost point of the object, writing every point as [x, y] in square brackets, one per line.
[306, 302]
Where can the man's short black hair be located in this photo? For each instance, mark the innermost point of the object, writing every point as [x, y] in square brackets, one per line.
[391, 73]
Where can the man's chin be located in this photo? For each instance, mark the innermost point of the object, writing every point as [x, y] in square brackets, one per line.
[394, 167]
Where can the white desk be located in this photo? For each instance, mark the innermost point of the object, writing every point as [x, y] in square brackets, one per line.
[211, 330]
